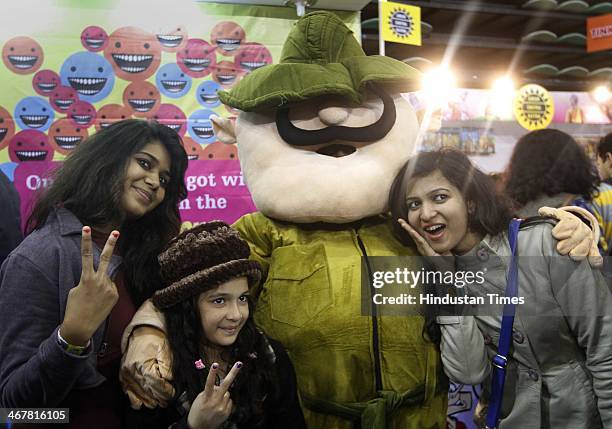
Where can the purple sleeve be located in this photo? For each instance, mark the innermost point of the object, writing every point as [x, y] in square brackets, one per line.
[34, 370]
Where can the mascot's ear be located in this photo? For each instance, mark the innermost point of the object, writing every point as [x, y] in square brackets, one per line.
[224, 129]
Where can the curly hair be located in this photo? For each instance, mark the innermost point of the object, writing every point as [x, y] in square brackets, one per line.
[90, 184]
[257, 379]
[548, 162]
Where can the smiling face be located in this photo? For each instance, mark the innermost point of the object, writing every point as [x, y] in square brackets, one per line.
[438, 212]
[227, 36]
[310, 177]
[224, 311]
[134, 53]
[146, 179]
[142, 98]
[22, 55]
[45, 81]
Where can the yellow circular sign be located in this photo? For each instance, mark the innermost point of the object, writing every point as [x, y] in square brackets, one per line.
[533, 107]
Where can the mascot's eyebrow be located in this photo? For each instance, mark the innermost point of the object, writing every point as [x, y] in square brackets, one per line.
[298, 137]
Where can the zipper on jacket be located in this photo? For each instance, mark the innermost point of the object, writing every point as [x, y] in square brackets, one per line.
[375, 339]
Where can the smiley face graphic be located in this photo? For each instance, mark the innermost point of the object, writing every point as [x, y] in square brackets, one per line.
[89, 74]
[142, 98]
[45, 81]
[134, 53]
[172, 81]
[172, 39]
[111, 113]
[197, 58]
[252, 56]
[206, 93]
[200, 127]
[194, 150]
[30, 145]
[64, 136]
[226, 74]
[62, 98]
[7, 127]
[94, 38]
[82, 114]
[220, 151]
[33, 112]
[227, 36]
[22, 55]
[172, 117]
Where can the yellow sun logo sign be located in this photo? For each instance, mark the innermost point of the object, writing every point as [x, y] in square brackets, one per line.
[533, 107]
[401, 23]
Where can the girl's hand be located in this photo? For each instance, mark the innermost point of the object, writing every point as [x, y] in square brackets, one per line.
[212, 407]
[91, 301]
[443, 262]
[422, 245]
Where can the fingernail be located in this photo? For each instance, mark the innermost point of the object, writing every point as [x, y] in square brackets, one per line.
[115, 234]
[238, 364]
[86, 229]
[215, 365]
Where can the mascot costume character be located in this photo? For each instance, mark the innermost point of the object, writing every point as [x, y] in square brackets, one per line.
[321, 136]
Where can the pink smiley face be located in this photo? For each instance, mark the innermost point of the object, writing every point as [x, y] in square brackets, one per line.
[94, 38]
[111, 113]
[220, 151]
[193, 149]
[22, 55]
[252, 56]
[142, 98]
[172, 38]
[134, 53]
[172, 117]
[226, 74]
[30, 145]
[45, 81]
[197, 58]
[227, 36]
[62, 98]
[7, 127]
[82, 114]
[64, 136]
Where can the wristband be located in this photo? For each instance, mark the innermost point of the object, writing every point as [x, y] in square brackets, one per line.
[71, 348]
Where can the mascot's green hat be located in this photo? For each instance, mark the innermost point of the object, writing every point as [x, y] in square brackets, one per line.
[320, 57]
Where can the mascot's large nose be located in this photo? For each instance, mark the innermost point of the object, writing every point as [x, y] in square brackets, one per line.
[333, 115]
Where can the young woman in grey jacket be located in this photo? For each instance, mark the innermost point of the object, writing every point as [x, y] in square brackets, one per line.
[559, 372]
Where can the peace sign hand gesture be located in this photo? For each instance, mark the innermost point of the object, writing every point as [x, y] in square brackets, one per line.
[213, 405]
[91, 301]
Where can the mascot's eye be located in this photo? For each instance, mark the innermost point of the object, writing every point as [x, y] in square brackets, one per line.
[19, 144]
[73, 68]
[103, 116]
[178, 29]
[42, 143]
[57, 130]
[1, 120]
[182, 75]
[12, 49]
[122, 116]
[118, 45]
[210, 155]
[231, 155]
[151, 93]
[78, 130]
[100, 69]
[146, 45]
[33, 50]
[44, 109]
[131, 92]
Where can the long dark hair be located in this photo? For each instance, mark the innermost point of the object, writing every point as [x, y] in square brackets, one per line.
[491, 213]
[548, 162]
[90, 184]
[256, 380]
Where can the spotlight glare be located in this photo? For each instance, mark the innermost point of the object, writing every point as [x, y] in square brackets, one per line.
[602, 94]
[438, 85]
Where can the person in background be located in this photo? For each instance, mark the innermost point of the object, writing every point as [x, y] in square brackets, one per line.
[601, 205]
[548, 168]
[10, 217]
[88, 261]
[574, 114]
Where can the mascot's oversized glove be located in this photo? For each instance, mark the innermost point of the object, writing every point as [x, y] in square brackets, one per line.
[575, 237]
[146, 366]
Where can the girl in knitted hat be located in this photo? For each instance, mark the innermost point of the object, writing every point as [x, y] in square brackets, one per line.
[89, 260]
[226, 373]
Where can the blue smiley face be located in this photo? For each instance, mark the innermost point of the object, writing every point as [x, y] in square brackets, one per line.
[34, 113]
[200, 127]
[89, 74]
[172, 81]
[207, 94]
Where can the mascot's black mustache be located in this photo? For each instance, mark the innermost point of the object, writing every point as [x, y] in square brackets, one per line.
[298, 137]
